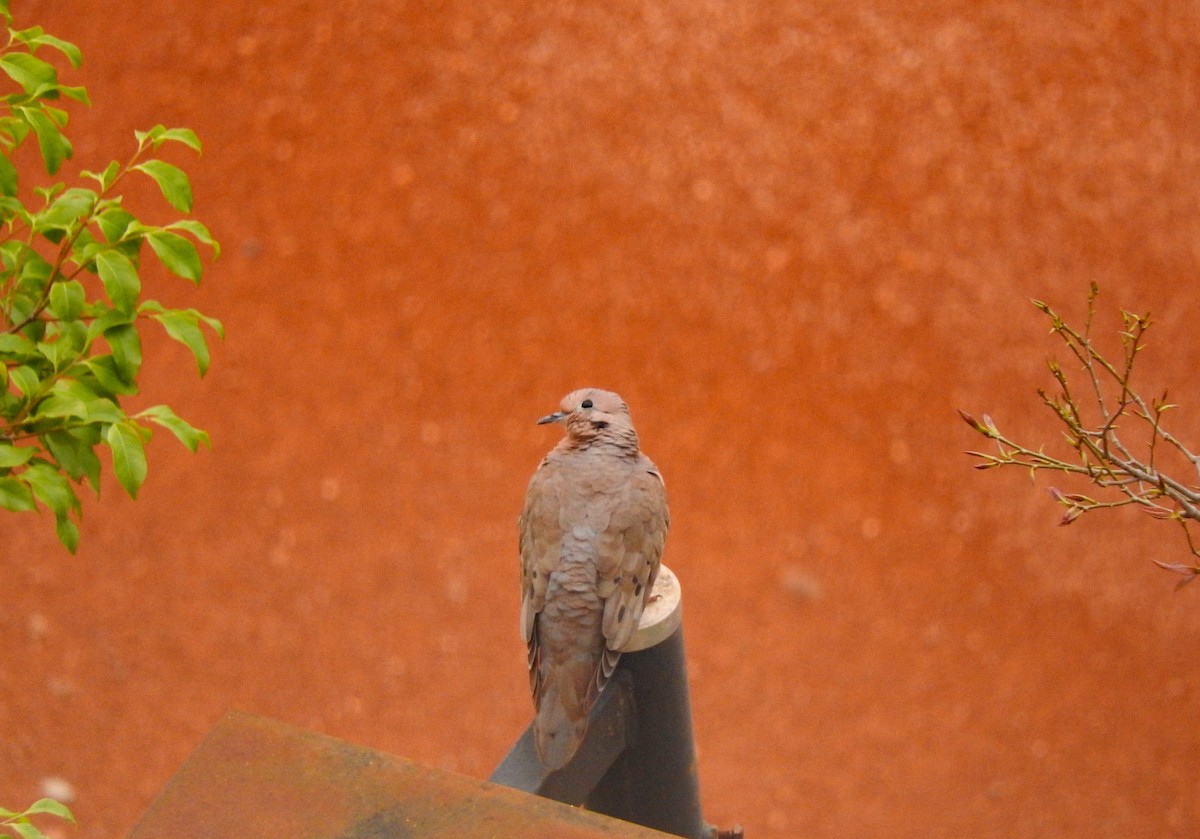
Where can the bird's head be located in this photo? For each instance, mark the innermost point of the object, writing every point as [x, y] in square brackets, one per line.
[590, 413]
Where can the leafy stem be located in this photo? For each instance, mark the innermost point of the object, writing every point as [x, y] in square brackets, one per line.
[68, 354]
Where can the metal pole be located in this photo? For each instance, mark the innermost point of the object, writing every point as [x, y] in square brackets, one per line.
[654, 781]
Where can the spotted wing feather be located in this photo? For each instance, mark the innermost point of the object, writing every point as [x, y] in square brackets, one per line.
[539, 538]
[629, 556]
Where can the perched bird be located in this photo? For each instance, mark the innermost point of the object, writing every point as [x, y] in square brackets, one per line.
[591, 537]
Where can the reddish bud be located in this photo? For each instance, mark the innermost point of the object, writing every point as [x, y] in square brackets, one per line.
[1070, 516]
[1189, 572]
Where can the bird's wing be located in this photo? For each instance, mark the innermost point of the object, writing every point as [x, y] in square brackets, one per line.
[540, 537]
[629, 552]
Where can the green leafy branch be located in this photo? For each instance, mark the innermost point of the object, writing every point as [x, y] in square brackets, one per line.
[1129, 474]
[21, 823]
[71, 300]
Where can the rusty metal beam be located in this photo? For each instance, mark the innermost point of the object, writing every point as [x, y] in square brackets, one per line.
[258, 777]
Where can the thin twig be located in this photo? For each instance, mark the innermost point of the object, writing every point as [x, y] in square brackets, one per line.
[1102, 456]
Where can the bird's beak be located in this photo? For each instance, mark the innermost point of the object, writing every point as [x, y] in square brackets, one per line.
[557, 416]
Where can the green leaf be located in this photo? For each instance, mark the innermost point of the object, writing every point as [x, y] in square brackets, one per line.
[10, 253]
[212, 323]
[11, 455]
[57, 115]
[177, 253]
[73, 334]
[76, 388]
[74, 451]
[51, 488]
[106, 319]
[60, 406]
[152, 135]
[31, 264]
[12, 211]
[160, 134]
[67, 299]
[153, 307]
[109, 377]
[34, 276]
[60, 352]
[13, 130]
[65, 47]
[181, 135]
[184, 327]
[105, 411]
[120, 278]
[15, 495]
[76, 92]
[67, 210]
[25, 379]
[54, 146]
[198, 230]
[29, 72]
[126, 348]
[24, 35]
[8, 177]
[26, 830]
[16, 347]
[173, 182]
[114, 223]
[129, 455]
[47, 193]
[186, 433]
[68, 534]
[84, 250]
[106, 178]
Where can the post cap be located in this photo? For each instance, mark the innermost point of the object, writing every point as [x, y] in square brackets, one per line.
[662, 615]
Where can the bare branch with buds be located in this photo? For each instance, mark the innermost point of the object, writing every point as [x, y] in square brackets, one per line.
[1102, 433]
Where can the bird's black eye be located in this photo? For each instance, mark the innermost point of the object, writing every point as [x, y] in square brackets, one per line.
[587, 403]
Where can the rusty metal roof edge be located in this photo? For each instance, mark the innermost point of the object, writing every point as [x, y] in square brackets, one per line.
[258, 777]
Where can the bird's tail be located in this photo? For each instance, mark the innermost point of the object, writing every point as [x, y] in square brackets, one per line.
[555, 735]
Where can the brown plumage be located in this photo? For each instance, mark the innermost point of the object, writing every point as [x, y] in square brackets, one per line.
[591, 537]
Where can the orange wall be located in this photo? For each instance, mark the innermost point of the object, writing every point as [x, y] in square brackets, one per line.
[795, 237]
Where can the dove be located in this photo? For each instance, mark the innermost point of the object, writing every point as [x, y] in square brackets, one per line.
[591, 538]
